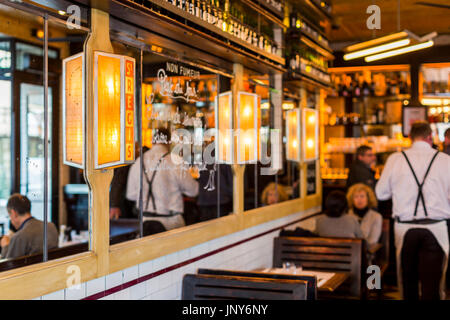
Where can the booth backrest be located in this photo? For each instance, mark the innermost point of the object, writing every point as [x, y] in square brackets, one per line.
[216, 287]
[311, 293]
[323, 254]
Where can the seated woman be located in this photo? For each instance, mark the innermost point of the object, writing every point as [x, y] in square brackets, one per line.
[273, 193]
[361, 201]
[336, 222]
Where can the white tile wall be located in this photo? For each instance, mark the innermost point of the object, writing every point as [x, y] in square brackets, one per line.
[57, 295]
[95, 286]
[247, 256]
[114, 280]
[130, 274]
[76, 292]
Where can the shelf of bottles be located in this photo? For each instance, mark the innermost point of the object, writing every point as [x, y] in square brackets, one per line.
[307, 50]
[379, 144]
[370, 84]
[274, 6]
[298, 25]
[233, 17]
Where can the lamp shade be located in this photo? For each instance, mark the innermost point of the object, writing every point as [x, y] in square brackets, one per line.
[114, 101]
[73, 111]
[310, 134]
[248, 124]
[293, 150]
[224, 128]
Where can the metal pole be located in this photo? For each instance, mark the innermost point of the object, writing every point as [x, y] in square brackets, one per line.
[216, 137]
[141, 158]
[46, 141]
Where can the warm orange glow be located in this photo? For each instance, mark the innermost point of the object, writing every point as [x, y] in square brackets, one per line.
[73, 111]
[293, 135]
[224, 147]
[129, 110]
[248, 126]
[310, 134]
[108, 120]
[147, 132]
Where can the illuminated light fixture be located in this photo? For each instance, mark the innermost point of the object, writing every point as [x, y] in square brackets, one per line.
[432, 110]
[310, 134]
[73, 111]
[405, 102]
[377, 41]
[248, 124]
[293, 151]
[446, 109]
[435, 101]
[224, 142]
[61, 12]
[397, 52]
[288, 105]
[381, 48]
[237, 140]
[265, 106]
[114, 102]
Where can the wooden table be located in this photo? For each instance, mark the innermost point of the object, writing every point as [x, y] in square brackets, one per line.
[326, 281]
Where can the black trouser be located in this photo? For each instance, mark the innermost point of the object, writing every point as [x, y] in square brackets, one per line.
[422, 261]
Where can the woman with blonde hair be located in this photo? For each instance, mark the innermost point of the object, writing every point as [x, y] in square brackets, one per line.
[361, 202]
[273, 193]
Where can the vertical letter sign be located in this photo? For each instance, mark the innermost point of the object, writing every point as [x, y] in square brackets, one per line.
[113, 110]
[129, 110]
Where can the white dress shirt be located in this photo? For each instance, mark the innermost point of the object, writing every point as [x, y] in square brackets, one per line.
[170, 183]
[397, 182]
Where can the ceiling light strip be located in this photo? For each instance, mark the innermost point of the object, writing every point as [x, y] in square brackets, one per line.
[392, 53]
[384, 47]
[377, 41]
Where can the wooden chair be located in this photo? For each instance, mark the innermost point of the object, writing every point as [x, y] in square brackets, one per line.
[216, 287]
[324, 254]
[311, 291]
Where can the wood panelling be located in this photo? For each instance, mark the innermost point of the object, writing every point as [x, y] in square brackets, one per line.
[350, 18]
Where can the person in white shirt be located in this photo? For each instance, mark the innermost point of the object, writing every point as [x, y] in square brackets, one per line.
[168, 181]
[418, 181]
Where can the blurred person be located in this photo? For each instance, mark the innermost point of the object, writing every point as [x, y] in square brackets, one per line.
[418, 181]
[361, 170]
[119, 206]
[362, 202]
[164, 184]
[29, 237]
[209, 185]
[273, 193]
[336, 222]
[447, 141]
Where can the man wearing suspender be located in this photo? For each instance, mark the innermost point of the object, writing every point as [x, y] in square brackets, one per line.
[165, 181]
[418, 181]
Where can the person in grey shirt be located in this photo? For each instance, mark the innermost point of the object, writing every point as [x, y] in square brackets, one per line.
[29, 237]
[336, 222]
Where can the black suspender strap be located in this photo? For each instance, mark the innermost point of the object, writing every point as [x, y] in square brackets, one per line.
[150, 182]
[420, 185]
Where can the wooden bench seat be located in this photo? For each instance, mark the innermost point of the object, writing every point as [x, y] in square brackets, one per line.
[324, 254]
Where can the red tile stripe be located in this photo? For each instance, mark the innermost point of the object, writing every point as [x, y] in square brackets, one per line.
[186, 262]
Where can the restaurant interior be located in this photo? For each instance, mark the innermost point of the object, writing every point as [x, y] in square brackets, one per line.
[260, 106]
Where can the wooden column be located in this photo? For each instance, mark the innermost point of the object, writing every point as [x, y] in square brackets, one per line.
[98, 180]
[238, 169]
